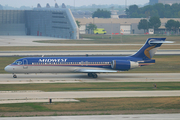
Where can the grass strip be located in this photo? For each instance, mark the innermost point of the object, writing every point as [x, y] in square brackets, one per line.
[100, 105]
[119, 86]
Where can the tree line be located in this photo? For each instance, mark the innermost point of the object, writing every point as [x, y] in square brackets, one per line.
[155, 23]
[101, 14]
[160, 10]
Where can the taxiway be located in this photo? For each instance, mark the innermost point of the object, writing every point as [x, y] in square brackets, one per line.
[102, 117]
[71, 78]
[23, 95]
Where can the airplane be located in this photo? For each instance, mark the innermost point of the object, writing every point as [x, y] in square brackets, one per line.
[90, 65]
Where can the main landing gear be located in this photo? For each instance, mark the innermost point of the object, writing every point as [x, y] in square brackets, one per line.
[14, 76]
[93, 75]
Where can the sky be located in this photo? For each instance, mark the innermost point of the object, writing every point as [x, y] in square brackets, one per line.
[33, 3]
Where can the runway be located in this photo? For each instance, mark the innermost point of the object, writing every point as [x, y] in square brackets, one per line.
[102, 117]
[82, 52]
[71, 78]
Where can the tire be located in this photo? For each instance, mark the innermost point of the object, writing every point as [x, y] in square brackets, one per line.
[90, 75]
[14, 76]
[94, 75]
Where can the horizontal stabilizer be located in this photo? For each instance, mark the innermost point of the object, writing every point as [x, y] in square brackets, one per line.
[158, 42]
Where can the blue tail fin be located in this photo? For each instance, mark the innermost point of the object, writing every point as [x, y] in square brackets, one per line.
[150, 48]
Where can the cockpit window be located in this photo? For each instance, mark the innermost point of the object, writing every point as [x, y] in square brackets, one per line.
[18, 62]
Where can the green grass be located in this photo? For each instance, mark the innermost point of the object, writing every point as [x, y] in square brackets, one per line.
[22, 107]
[6, 61]
[164, 64]
[125, 86]
[99, 104]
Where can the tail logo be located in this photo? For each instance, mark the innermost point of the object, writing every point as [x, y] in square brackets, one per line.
[146, 51]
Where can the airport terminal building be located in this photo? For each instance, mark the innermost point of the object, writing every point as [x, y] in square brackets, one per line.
[51, 22]
[170, 2]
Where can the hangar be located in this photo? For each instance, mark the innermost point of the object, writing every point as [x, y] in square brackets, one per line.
[52, 22]
[121, 25]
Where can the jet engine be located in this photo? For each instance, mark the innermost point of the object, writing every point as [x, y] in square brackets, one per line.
[124, 65]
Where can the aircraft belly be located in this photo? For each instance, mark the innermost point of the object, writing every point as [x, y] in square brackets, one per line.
[50, 69]
[59, 69]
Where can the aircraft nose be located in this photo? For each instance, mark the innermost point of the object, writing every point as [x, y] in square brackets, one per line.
[8, 68]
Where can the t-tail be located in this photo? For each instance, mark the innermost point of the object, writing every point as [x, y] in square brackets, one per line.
[150, 48]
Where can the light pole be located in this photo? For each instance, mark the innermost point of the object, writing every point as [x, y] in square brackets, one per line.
[111, 29]
[125, 4]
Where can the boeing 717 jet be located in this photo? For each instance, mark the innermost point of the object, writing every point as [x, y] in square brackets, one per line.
[90, 65]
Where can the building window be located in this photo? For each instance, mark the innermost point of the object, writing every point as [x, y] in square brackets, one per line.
[58, 16]
[60, 27]
[60, 13]
[59, 22]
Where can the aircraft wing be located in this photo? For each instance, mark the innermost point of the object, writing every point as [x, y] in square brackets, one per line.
[95, 71]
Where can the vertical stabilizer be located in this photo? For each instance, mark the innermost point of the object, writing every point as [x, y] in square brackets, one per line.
[150, 48]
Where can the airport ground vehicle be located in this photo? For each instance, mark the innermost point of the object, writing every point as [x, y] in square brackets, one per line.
[100, 31]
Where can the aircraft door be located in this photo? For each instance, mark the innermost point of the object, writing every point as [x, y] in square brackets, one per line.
[81, 63]
[86, 63]
[25, 64]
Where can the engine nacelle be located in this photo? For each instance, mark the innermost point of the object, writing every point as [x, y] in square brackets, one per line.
[124, 65]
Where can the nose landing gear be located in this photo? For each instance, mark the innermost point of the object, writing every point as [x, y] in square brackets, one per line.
[93, 75]
[14, 76]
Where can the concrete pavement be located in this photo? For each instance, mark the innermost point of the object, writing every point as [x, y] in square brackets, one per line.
[104, 77]
[5, 95]
[102, 117]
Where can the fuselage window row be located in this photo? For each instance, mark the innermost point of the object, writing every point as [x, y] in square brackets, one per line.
[71, 63]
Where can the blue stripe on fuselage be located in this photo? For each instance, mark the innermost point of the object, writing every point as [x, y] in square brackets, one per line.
[98, 62]
[76, 59]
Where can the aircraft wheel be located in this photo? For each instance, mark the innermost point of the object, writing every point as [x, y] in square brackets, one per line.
[90, 75]
[94, 75]
[14, 76]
